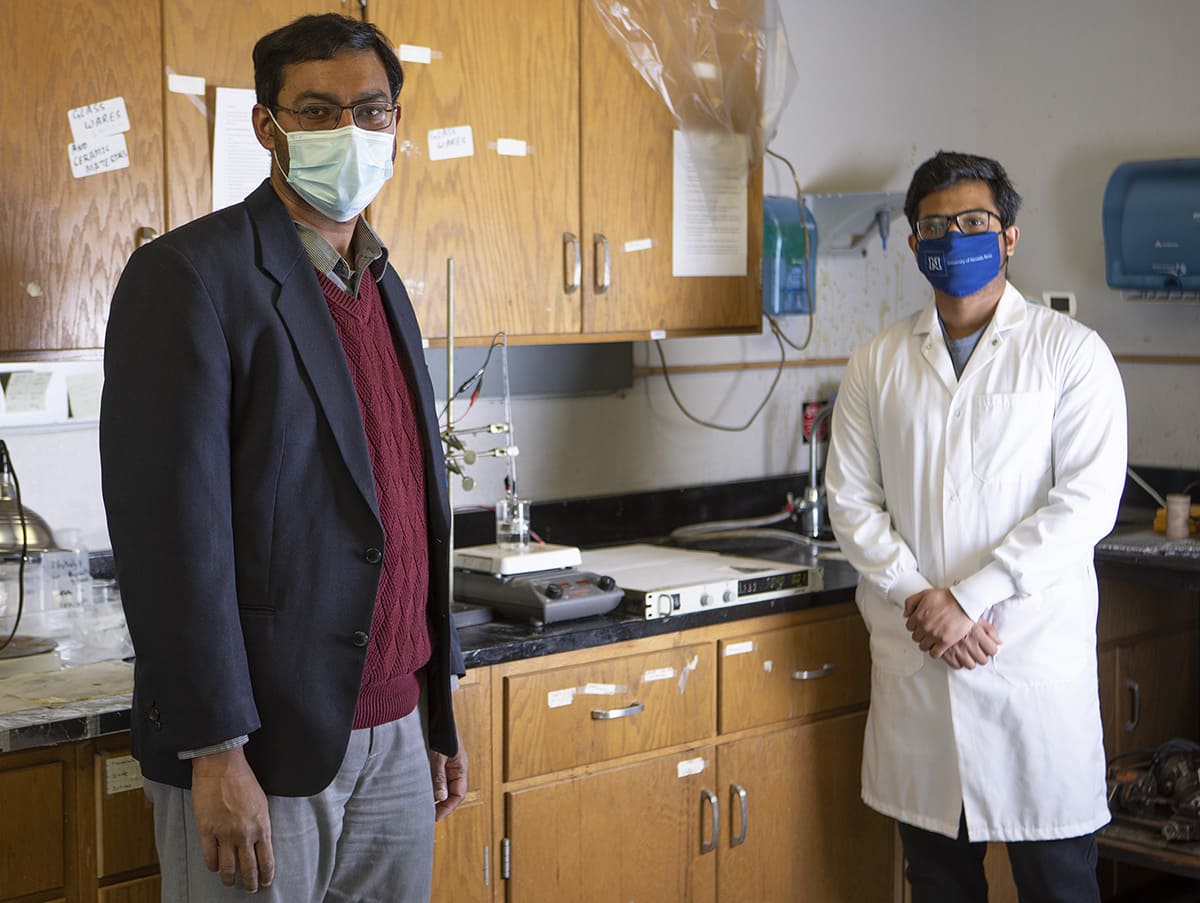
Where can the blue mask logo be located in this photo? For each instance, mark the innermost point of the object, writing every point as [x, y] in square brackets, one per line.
[960, 265]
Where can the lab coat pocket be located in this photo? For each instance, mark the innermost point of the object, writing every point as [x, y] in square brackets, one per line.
[892, 648]
[1010, 435]
[1041, 643]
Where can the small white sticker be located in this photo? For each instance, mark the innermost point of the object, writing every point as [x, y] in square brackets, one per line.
[186, 84]
[689, 767]
[122, 773]
[556, 699]
[94, 157]
[108, 117]
[657, 334]
[739, 648]
[658, 674]
[410, 53]
[768, 666]
[451, 143]
[591, 689]
[510, 147]
[706, 70]
[641, 244]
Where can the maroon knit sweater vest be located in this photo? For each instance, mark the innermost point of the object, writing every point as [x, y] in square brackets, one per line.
[399, 643]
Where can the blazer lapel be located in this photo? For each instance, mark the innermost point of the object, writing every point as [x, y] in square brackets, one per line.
[306, 317]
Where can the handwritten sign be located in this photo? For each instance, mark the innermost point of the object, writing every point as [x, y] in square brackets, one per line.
[450, 143]
[90, 158]
[96, 120]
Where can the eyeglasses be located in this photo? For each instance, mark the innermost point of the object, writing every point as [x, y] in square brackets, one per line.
[372, 115]
[969, 222]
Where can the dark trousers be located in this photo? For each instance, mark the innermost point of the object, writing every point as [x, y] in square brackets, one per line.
[942, 870]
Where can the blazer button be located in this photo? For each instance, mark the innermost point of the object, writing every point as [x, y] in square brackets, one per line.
[373, 555]
[155, 718]
[360, 638]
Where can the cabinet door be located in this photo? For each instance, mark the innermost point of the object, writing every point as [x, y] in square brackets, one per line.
[36, 824]
[627, 188]
[802, 832]
[211, 39]
[632, 833]
[1158, 690]
[64, 240]
[506, 71]
[462, 841]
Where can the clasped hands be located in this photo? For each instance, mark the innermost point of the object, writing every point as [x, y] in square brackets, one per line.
[940, 627]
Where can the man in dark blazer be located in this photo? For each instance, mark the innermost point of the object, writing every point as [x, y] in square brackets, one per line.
[276, 497]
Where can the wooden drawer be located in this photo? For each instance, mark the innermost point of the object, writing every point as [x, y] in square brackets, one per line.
[564, 717]
[472, 715]
[124, 816]
[781, 674]
[139, 890]
[1129, 610]
[33, 830]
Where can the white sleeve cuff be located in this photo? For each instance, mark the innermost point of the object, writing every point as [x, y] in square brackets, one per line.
[983, 589]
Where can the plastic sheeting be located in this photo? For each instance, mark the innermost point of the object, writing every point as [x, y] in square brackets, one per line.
[722, 67]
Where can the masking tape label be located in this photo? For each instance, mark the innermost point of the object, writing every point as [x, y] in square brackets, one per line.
[658, 674]
[689, 767]
[739, 648]
[410, 53]
[511, 147]
[186, 84]
[556, 699]
[591, 689]
[122, 773]
[641, 244]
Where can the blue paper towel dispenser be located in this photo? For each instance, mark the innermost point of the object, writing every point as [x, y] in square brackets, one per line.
[1151, 221]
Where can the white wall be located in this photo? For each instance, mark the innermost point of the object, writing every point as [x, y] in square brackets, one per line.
[1059, 92]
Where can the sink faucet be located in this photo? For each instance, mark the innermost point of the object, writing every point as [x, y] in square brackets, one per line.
[812, 506]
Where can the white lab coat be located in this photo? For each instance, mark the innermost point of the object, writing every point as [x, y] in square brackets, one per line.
[997, 485]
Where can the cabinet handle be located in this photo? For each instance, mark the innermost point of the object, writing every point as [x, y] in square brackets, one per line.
[611, 714]
[602, 282]
[824, 671]
[145, 235]
[571, 282]
[1135, 704]
[740, 791]
[714, 808]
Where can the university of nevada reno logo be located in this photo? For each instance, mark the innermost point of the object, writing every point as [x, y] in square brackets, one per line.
[935, 263]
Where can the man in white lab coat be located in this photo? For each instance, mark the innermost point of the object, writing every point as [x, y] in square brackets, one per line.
[978, 455]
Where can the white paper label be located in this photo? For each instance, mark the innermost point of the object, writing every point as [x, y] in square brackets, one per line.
[91, 158]
[768, 666]
[658, 674]
[186, 84]
[599, 689]
[689, 767]
[641, 244]
[657, 334]
[83, 394]
[451, 143]
[739, 648]
[108, 117]
[410, 53]
[510, 147]
[556, 699]
[25, 392]
[122, 773]
[709, 221]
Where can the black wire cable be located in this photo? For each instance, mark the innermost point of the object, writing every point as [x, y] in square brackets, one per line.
[477, 376]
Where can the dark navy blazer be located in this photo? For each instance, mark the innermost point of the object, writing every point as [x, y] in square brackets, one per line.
[241, 505]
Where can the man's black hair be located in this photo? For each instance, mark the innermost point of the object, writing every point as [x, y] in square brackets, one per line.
[947, 168]
[319, 37]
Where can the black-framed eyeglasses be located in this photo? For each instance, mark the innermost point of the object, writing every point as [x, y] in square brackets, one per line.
[371, 115]
[969, 222]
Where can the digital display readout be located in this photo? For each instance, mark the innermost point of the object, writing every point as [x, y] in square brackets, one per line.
[771, 582]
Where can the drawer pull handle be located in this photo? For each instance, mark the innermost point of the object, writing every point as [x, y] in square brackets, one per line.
[572, 272]
[707, 796]
[611, 714]
[824, 671]
[740, 792]
[1135, 704]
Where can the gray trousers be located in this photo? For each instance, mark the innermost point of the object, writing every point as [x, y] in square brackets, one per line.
[367, 837]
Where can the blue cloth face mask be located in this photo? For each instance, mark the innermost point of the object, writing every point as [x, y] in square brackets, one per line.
[960, 265]
[339, 171]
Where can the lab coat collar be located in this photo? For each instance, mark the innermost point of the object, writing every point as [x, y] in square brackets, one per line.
[1010, 312]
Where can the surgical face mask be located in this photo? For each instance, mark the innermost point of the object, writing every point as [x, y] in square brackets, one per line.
[339, 171]
[960, 265]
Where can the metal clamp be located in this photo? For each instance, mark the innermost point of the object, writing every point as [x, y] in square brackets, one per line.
[611, 714]
[571, 283]
[740, 792]
[707, 846]
[824, 671]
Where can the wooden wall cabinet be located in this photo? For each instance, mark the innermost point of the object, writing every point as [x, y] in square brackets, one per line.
[539, 240]
[64, 240]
